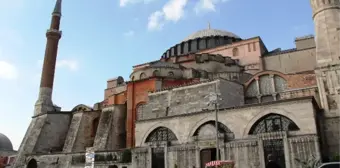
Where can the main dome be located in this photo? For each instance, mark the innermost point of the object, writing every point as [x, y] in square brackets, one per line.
[5, 143]
[209, 32]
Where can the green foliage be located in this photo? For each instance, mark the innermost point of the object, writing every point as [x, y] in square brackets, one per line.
[335, 158]
[311, 162]
[175, 166]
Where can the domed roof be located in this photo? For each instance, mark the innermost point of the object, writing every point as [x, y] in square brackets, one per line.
[210, 32]
[5, 143]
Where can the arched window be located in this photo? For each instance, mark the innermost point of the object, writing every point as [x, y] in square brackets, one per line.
[142, 75]
[273, 123]
[139, 110]
[156, 73]
[161, 134]
[208, 131]
[171, 74]
[95, 124]
[32, 164]
[132, 78]
[235, 52]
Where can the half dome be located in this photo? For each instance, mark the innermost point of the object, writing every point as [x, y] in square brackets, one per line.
[5, 143]
[209, 33]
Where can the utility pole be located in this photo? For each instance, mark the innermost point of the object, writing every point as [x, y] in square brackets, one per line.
[213, 99]
[216, 124]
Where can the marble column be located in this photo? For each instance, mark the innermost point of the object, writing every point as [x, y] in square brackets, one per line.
[149, 163]
[166, 156]
[286, 150]
[198, 158]
[223, 156]
[317, 147]
[292, 154]
[261, 153]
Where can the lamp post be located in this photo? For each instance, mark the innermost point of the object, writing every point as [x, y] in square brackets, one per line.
[213, 99]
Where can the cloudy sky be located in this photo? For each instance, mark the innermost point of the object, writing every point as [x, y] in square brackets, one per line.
[104, 39]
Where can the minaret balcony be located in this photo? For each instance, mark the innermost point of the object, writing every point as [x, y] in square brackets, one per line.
[53, 31]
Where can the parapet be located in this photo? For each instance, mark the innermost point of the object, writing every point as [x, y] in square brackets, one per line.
[310, 36]
[319, 5]
[304, 42]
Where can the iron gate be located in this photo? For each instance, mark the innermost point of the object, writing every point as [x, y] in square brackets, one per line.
[274, 147]
[158, 158]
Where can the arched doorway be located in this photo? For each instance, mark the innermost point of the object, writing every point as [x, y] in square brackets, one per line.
[207, 155]
[32, 164]
[207, 132]
[160, 134]
[274, 147]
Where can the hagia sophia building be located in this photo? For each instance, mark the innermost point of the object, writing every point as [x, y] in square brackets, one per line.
[284, 103]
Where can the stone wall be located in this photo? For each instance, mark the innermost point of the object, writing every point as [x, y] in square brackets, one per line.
[117, 135]
[72, 132]
[213, 66]
[84, 136]
[140, 158]
[303, 148]
[181, 156]
[245, 153]
[111, 130]
[232, 76]
[191, 99]
[77, 160]
[331, 129]
[239, 120]
[291, 61]
[53, 133]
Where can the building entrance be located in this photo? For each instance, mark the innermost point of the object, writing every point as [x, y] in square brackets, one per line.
[275, 148]
[207, 155]
[158, 158]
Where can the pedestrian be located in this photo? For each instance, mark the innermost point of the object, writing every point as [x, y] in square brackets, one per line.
[271, 162]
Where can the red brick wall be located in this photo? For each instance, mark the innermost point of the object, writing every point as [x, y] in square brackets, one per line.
[171, 83]
[294, 81]
[301, 80]
[136, 92]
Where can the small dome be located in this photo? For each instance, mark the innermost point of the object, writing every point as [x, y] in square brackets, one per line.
[210, 32]
[5, 143]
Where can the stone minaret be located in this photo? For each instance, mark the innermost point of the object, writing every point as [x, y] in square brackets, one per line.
[326, 16]
[53, 35]
[43, 132]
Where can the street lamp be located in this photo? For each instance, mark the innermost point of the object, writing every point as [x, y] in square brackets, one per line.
[213, 100]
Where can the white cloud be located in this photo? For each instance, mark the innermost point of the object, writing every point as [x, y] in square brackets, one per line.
[129, 33]
[8, 71]
[207, 5]
[173, 11]
[72, 65]
[123, 3]
[156, 21]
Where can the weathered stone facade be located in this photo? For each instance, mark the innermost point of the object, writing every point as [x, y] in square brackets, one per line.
[280, 101]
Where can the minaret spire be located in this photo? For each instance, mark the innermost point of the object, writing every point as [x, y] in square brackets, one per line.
[57, 8]
[208, 25]
[53, 35]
